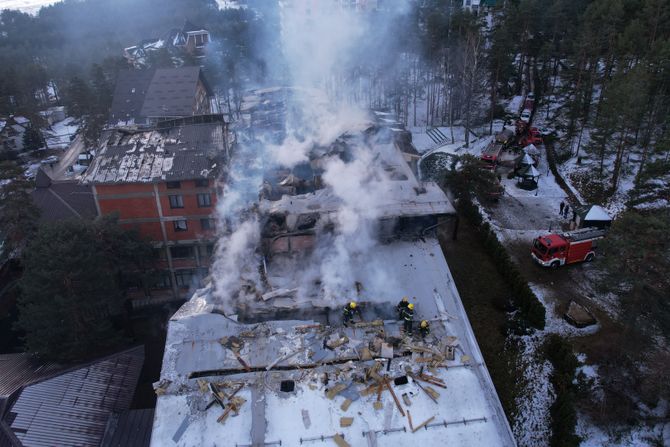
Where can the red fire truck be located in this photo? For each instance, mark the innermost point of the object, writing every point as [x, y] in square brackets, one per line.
[554, 250]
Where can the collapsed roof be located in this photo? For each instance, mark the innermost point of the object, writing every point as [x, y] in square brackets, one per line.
[166, 153]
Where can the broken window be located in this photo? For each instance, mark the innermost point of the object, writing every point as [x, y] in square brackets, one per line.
[176, 201]
[204, 200]
[180, 225]
[207, 224]
[181, 252]
[183, 277]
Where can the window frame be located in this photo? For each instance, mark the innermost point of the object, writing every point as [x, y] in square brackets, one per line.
[204, 203]
[173, 185]
[202, 183]
[177, 227]
[176, 201]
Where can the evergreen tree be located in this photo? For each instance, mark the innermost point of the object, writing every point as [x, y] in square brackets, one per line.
[71, 292]
[32, 139]
[80, 100]
[18, 214]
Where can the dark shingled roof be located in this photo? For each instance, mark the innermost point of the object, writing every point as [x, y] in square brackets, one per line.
[129, 429]
[131, 88]
[19, 370]
[162, 92]
[171, 92]
[62, 199]
[73, 407]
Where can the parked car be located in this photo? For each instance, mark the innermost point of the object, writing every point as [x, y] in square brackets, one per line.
[525, 116]
[51, 159]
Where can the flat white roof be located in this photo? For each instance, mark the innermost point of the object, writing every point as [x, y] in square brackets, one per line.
[467, 412]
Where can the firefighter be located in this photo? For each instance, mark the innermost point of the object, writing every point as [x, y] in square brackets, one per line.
[402, 305]
[424, 328]
[349, 311]
[408, 317]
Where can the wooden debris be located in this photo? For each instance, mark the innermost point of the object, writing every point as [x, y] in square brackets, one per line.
[423, 424]
[433, 398]
[380, 388]
[241, 360]
[365, 354]
[395, 398]
[373, 323]
[345, 405]
[378, 405]
[434, 394]
[405, 398]
[346, 421]
[466, 359]
[339, 440]
[409, 418]
[334, 391]
[203, 386]
[337, 343]
[449, 353]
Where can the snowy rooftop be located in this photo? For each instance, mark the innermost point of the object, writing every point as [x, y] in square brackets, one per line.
[204, 347]
[175, 153]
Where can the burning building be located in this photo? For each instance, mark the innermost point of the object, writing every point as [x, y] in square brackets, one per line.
[318, 210]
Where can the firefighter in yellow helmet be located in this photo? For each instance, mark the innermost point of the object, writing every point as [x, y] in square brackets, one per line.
[348, 313]
[408, 318]
[402, 305]
[424, 328]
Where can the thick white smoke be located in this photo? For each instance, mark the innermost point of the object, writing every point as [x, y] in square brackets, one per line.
[320, 42]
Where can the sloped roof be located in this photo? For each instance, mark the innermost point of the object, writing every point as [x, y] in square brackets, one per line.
[129, 429]
[19, 370]
[597, 213]
[72, 408]
[62, 199]
[171, 92]
[176, 153]
[131, 88]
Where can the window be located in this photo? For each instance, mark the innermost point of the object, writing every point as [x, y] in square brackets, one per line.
[176, 201]
[181, 252]
[202, 183]
[180, 225]
[162, 281]
[207, 224]
[173, 185]
[183, 277]
[204, 200]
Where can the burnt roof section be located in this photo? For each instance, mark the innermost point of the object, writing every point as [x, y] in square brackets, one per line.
[162, 92]
[162, 154]
[72, 408]
[129, 94]
[61, 200]
[129, 429]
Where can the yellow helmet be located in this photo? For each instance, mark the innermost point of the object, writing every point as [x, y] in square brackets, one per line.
[404, 299]
[424, 323]
[410, 306]
[352, 304]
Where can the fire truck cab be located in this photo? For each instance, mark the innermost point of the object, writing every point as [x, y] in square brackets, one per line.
[554, 250]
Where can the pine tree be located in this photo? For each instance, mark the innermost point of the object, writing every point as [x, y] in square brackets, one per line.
[32, 139]
[71, 291]
[80, 99]
[18, 214]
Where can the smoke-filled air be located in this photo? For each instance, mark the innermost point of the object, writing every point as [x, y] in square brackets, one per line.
[323, 117]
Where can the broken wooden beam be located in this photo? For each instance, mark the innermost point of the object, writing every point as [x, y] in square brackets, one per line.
[395, 398]
[423, 424]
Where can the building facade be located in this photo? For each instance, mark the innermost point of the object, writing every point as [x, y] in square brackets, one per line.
[164, 182]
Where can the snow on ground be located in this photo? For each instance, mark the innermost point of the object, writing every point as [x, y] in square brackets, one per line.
[28, 6]
[60, 134]
[514, 105]
[638, 436]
